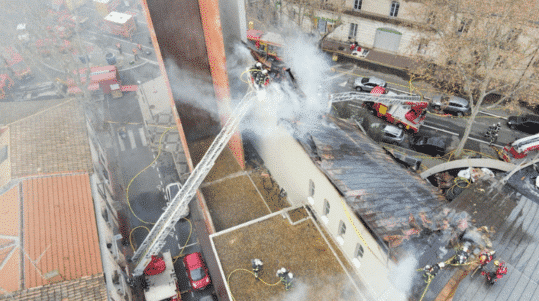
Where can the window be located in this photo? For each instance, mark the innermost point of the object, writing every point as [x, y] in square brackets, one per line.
[353, 31]
[464, 24]
[394, 11]
[311, 188]
[322, 25]
[359, 251]
[357, 4]
[326, 207]
[342, 228]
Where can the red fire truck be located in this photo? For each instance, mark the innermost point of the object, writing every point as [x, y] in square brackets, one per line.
[520, 148]
[16, 64]
[406, 111]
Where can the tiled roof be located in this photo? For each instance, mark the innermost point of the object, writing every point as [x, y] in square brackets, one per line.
[51, 141]
[59, 238]
[87, 288]
[383, 194]
[9, 243]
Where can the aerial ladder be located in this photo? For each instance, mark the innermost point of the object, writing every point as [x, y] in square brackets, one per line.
[406, 111]
[177, 208]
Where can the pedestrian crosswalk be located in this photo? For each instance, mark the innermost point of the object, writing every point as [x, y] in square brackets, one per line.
[132, 138]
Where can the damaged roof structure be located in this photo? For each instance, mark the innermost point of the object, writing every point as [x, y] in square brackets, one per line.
[393, 202]
[380, 212]
[509, 214]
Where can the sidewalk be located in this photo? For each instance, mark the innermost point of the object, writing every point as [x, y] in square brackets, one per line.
[377, 57]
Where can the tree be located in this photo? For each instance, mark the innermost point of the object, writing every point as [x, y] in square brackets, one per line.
[479, 48]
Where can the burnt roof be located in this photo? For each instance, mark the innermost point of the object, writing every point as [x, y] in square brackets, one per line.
[514, 216]
[383, 194]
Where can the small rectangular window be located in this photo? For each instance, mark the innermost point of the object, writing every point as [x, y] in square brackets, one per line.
[311, 188]
[357, 4]
[322, 25]
[359, 251]
[342, 228]
[394, 11]
[353, 31]
[326, 208]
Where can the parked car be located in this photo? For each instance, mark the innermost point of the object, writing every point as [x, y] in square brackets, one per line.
[366, 84]
[451, 104]
[525, 123]
[390, 133]
[172, 190]
[432, 146]
[196, 271]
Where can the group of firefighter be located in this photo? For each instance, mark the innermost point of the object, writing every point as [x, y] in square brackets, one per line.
[261, 75]
[462, 257]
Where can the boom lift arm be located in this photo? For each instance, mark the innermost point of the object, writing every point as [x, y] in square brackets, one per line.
[383, 98]
[177, 208]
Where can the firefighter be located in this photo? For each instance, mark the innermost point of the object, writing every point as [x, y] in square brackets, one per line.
[119, 46]
[462, 256]
[257, 265]
[259, 76]
[431, 271]
[286, 277]
[135, 54]
[501, 270]
[139, 46]
[485, 257]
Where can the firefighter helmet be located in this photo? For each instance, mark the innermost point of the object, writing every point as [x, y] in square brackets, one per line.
[258, 65]
[496, 263]
[264, 71]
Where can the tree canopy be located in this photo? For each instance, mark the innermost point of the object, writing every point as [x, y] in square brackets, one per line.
[478, 48]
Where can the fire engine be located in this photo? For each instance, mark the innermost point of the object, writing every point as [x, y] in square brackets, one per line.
[105, 78]
[520, 148]
[265, 47]
[406, 111]
[16, 64]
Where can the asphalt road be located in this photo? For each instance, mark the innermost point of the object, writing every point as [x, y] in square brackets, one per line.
[451, 128]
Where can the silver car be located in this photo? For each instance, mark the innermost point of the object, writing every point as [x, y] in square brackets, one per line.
[390, 133]
[366, 84]
[451, 104]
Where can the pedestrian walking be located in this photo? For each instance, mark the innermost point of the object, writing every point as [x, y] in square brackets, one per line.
[135, 54]
[119, 46]
[139, 46]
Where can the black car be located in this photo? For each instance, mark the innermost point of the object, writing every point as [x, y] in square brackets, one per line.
[525, 123]
[432, 146]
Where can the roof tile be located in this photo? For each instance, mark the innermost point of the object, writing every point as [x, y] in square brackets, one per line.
[60, 228]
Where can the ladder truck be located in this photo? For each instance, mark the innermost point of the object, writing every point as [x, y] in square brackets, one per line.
[406, 111]
[178, 207]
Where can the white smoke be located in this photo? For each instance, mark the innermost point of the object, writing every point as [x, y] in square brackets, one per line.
[309, 66]
[402, 275]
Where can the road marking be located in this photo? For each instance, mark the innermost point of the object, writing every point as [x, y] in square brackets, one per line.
[344, 84]
[142, 137]
[132, 139]
[122, 145]
[456, 134]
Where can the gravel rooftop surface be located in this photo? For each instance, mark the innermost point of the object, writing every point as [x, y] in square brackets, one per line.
[300, 248]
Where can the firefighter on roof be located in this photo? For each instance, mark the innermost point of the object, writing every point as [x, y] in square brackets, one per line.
[431, 271]
[462, 256]
[485, 257]
[501, 270]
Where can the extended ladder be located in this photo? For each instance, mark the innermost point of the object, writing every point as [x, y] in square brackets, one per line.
[177, 208]
[383, 98]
